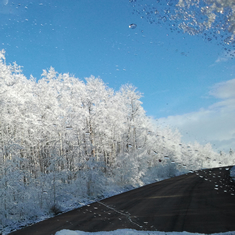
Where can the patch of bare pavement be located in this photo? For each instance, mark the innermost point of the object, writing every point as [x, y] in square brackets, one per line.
[201, 201]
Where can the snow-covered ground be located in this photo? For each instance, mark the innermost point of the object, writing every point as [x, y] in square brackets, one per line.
[132, 232]
[232, 172]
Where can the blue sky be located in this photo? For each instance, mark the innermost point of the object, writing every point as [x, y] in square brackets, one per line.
[175, 71]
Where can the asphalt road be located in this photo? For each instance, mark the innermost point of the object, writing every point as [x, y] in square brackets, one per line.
[202, 201]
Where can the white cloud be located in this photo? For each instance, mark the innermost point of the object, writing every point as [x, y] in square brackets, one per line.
[225, 57]
[224, 90]
[216, 124]
[4, 2]
[221, 59]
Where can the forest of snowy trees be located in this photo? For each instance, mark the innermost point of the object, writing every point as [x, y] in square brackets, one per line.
[64, 141]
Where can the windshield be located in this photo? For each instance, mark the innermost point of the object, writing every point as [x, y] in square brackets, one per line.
[113, 91]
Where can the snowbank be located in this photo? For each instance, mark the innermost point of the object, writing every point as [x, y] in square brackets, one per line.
[131, 232]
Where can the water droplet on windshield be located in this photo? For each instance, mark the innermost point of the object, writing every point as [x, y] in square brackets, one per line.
[132, 26]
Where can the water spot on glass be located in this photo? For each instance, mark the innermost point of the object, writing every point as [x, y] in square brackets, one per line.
[164, 19]
[132, 26]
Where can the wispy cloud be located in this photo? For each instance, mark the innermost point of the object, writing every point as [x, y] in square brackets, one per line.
[215, 124]
[221, 59]
[225, 57]
[3, 2]
[224, 90]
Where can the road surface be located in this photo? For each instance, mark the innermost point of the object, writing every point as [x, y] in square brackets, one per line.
[201, 201]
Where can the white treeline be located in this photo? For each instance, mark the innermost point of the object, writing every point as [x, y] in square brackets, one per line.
[63, 141]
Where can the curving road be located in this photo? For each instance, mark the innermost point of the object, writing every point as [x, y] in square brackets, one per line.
[201, 201]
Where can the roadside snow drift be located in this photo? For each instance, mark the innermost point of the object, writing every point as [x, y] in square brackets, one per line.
[131, 232]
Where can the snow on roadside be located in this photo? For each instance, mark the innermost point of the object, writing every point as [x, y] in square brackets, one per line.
[232, 172]
[132, 232]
